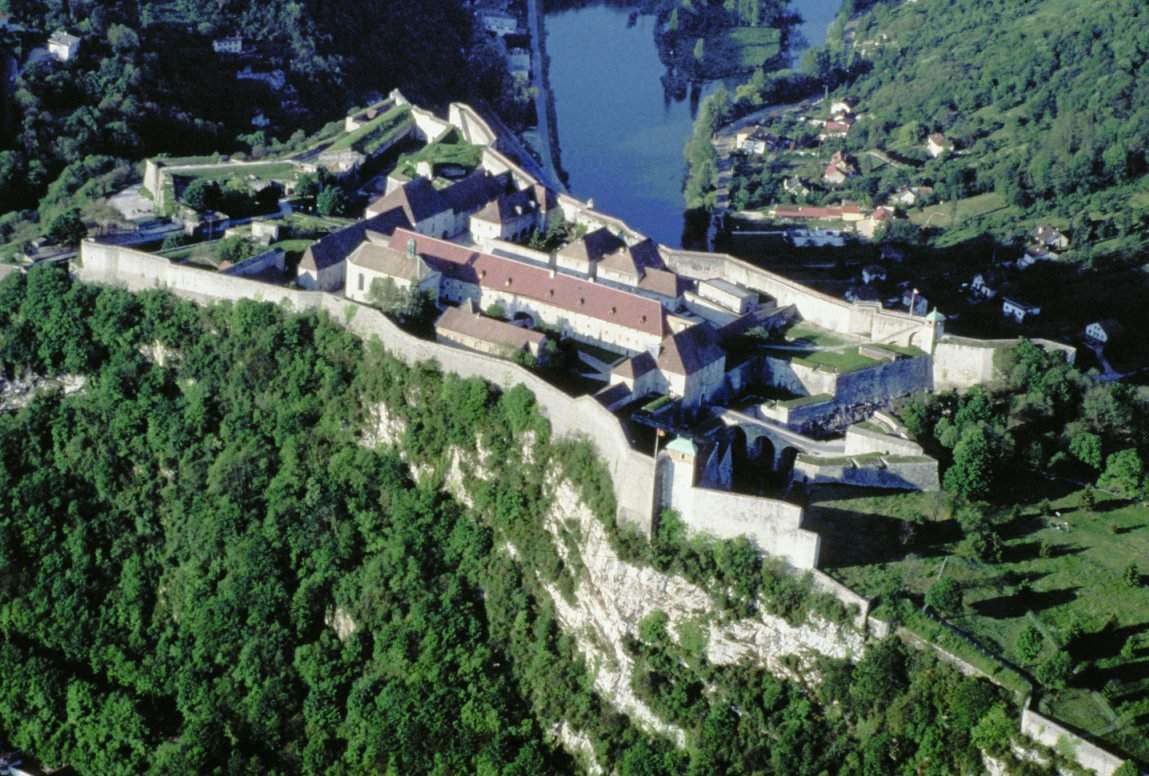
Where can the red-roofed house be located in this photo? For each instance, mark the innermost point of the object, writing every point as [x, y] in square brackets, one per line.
[590, 312]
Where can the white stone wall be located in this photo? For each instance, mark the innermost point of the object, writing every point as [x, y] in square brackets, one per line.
[961, 363]
[327, 279]
[888, 473]
[860, 441]
[1087, 755]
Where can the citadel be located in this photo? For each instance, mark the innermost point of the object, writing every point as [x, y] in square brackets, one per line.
[705, 367]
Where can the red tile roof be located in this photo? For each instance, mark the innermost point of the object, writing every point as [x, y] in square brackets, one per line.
[562, 291]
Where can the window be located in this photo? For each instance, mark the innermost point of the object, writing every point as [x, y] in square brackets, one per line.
[360, 281]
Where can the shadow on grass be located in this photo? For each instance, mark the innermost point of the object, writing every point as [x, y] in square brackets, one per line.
[857, 538]
[1008, 606]
[1106, 644]
[1027, 551]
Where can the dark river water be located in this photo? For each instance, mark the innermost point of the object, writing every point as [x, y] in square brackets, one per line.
[621, 136]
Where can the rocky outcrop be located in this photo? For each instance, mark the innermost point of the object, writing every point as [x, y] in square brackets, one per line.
[613, 596]
[19, 392]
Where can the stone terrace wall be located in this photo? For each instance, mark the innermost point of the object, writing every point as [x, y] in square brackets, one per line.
[860, 441]
[1048, 732]
[632, 472]
[891, 473]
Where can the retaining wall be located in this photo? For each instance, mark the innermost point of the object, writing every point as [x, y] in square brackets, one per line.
[1088, 755]
[860, 441]
[889, 473]
[272, 259]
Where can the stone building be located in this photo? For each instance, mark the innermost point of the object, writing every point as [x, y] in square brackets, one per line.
[373, 261]
[466, 327]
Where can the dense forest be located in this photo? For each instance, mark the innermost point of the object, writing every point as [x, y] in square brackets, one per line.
[203, 568]
[146, 81]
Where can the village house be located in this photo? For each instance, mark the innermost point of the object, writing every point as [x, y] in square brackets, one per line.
[838, 127]
[937, 144]
[63, 46]
[839, 169]
[756, 140]
[229, 45]
[497, 22]
[796, 187]
[872, 225]
[985, 285]
[843, 106]
[465, 327]
[914, 302]
[1049, 238]
[904, 196]
[1018, 310]
[1104, 332]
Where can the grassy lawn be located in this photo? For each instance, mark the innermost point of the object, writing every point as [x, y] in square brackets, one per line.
[901, 350]
[375, 133]
[802, 401]
[448, 151]
[1066, 583]
[808, 334]
[953, 213]
[277, 171]
[837, 361]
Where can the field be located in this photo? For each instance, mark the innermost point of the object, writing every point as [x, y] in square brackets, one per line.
[747, 47]
[1062, 573]
[951, 214]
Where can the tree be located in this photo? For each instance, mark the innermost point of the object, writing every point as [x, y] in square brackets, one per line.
[411, 305]
[1085, 446]
[333, 201]
[1056, 670]
[202, 194]
[1030, 643]
[1124, 473]
[1131, 576]
[974, 467]
[945, 596]
[67, 228]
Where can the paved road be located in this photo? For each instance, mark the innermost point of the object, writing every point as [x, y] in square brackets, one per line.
[538, 67]
[831, 448]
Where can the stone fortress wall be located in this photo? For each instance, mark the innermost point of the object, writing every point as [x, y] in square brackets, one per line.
[773, 525]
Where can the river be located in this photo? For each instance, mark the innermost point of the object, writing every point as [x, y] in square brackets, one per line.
[621, 137]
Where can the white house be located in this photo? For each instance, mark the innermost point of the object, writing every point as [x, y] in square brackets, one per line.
[693, 364]
[728, 295]
[498, 22]
[1019, 311]
[229, 45]
[509, 217]
[63, 46]
[937, 144]
[374, 261]
[985, 285]
[843, 106]
[1104, 332]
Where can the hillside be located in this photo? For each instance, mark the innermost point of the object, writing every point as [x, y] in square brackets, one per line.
[1045, 101]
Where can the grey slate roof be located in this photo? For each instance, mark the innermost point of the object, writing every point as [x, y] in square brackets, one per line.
[337, 246]
[690, 351]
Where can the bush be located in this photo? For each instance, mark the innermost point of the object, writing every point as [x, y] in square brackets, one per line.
[1030, 643]
[945, 596]
[1056, 670]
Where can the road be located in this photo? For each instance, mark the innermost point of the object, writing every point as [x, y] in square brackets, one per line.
[538, 69]
[831, 448]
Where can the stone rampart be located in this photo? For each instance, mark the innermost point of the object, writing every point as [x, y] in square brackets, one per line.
[861, 440]
[869, 471]
[1088, 755]
[268, 260]
[474, 129]
[428, 126]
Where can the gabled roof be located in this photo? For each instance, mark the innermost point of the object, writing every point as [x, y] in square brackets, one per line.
[337, 246]
[690, 350]
[474, 191]
[636, 366]
[508, 207]
[662, 282]
[388, 261]
[472, 324]
[592, 246]
[563, 291]
[417, 198]
[634, 259]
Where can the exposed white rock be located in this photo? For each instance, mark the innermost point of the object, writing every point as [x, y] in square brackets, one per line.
[17, 393]
[613, 596]
[382, 428]
[340, 621]
[579, 745]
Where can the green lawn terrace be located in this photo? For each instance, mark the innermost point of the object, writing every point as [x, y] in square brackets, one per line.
[166, 179]
[449, 157]
[818, 348]
[1062, 572]
[376, 134]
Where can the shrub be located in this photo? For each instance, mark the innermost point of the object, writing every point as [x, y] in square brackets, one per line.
[1029, 643]
[945, 596]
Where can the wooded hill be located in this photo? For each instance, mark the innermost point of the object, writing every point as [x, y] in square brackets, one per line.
[1047, 102]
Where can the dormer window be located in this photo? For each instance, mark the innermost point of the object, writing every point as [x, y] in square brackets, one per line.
[644, 319]
[614, 311]
[482, 274]
[551, 292]
[509, 282]
[582, 300]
